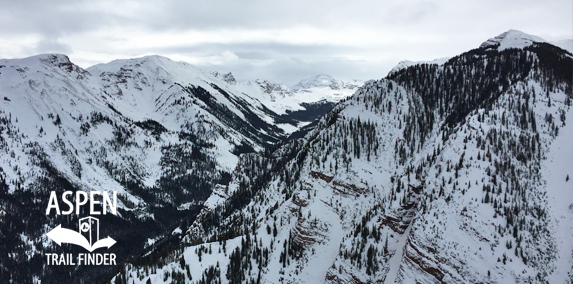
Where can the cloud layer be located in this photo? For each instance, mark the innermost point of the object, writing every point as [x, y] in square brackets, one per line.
[274, 40]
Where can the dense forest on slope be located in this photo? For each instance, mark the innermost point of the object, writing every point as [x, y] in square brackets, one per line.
[413, 178]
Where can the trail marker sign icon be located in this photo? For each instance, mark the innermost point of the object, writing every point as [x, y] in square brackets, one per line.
[87, 235]
[89, 228]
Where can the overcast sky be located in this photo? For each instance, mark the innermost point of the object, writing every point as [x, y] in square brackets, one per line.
[281, 41]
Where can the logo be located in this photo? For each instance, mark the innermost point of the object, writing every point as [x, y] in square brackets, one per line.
[86, 237]
[87, 234]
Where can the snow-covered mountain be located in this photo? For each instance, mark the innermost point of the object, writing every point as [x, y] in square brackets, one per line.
[455, 171]
[511, 39]
[325, 81]
[282, 100]
[407, 63]
[305, 102]
[440, 173]
[228, 78]
[163, 134]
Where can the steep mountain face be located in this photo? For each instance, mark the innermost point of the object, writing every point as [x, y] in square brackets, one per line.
[507, 114]
[50, 107]
[163, 134]
[157, 88]
[440, 173]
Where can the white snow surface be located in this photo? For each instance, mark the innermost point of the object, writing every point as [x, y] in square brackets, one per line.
[512, 39]
[555, 169]
[459, 237]
[37, 91]
[407, 63]
[280, 99]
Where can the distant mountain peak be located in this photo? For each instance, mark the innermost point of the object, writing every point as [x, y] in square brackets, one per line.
[53, 58]
[270, 87]
[47, 59]
[326, 81]
[321, 80]
[150, 61]
[511, 39]
[229, 78]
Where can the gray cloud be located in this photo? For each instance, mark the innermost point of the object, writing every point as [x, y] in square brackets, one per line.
[264, 50]
[49, 18]
[277, 40]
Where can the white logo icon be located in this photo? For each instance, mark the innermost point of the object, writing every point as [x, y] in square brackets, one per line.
[86, 237]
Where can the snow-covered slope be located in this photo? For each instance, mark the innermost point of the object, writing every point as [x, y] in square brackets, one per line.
[156, 87]
[324, 87]
[303, 103]
[50, 98]
[163, 134]
[416, 178]
[47, 100]
[58, 132]
[323, 81]
[511, 39]
[556, 171]
[451, 172]
[281, 99]
[407, 63]
[272, 95]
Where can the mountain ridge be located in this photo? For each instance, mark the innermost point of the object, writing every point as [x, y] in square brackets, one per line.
[416, 177]
[511, 39]
[163, 134]
[453, 172]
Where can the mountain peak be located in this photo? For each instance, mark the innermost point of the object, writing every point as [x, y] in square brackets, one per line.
[270, 87]
[321, 80]
[136, 61]
[48, 59]
[326, 81]
[511, 39]
[54, 58]
[228, 78]
[148, 60]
